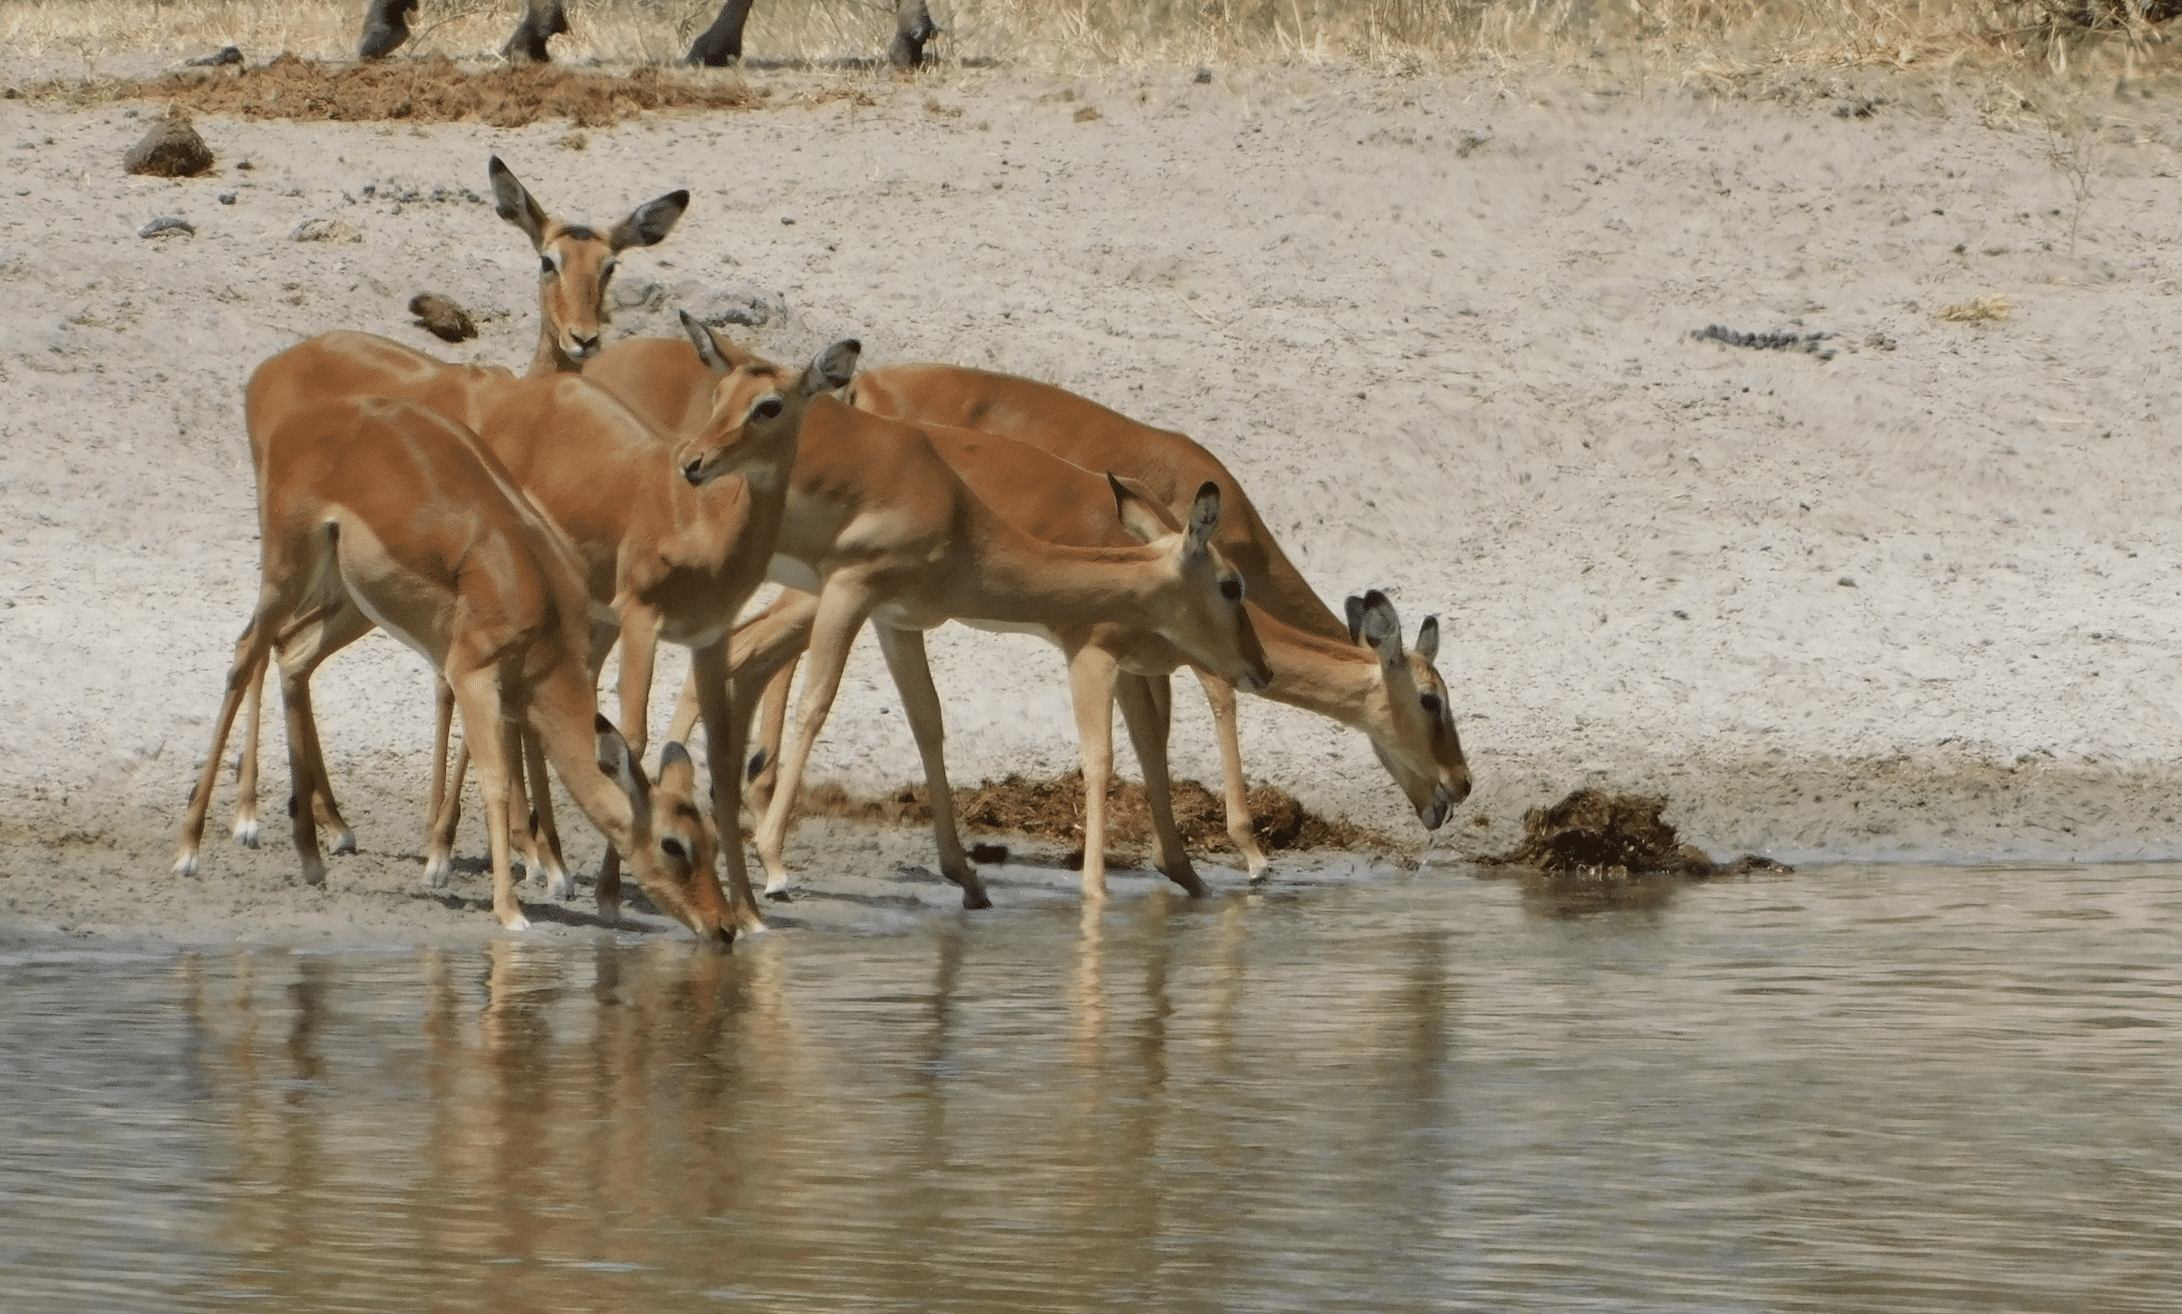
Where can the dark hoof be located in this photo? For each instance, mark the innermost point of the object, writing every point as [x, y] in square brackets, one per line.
[780, 896]
[976, 899]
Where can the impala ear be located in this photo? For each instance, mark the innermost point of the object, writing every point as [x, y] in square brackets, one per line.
[1134, 505]
[1428, 638]
[1380, 628]
[833, 367]
[708, 347]
[676, 771]
[512, 202]
[1355, 607]
[649, 223]
[616, 761]
[1204, 516]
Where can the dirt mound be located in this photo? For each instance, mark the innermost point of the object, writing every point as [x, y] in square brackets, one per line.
[1592, 831]
[430, 91]
[1052, 809]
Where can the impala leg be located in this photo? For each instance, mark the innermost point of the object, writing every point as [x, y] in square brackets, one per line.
[246, 771]
[1091, 678]
[842, 610]
[639, 655]
[1146, 704]
[1221, 695]
[443, 728]
[304, 650]
[688, 707]
[493, 741]
[545, 862]
[439, 860]
[295, 696]
[244, 677]
[764, 772]
[723, 760]
[905, 658]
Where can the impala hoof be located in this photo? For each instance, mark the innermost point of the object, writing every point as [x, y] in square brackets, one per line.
[515, 922]
[345, 842]
[314, 873]
[975, 900]
[781, 895]
[246, 832]
[560, 886]
[435, 871]
[186, 865]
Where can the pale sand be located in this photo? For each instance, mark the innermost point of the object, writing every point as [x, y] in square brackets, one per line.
[1917, 601]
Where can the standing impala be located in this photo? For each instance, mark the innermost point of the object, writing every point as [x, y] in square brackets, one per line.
[1412, 725]
[389, 511]
[881, 529]
[575, 264]
[1367, 682]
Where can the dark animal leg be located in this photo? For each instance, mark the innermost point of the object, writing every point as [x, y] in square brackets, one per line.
[541, 19]
[386, 25]
[912, 28]
[721, 43]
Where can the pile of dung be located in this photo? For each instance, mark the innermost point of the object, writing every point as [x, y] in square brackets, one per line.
[1052, 809]
[427, 91]
[1592, 831]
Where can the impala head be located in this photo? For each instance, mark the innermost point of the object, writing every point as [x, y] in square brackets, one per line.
[576, 262]
[755, 403]
[1206, 618]
[1415, 738]
[673, 852]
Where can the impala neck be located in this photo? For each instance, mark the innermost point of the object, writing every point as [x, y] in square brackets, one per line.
[1028, 580]
[1334, 678]
[549, 358]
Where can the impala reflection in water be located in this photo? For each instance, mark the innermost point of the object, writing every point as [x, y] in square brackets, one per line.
[1900, 1088]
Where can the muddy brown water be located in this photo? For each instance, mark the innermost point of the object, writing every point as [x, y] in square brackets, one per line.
[1871, 1088]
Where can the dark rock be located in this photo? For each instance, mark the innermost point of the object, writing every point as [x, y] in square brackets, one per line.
[442, 318]
[172, 149]
[168, 226]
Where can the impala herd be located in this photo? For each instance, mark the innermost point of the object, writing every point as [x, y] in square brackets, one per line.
[513, 529]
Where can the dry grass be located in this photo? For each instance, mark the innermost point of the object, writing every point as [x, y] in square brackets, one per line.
[1988, 309]
[1703, 39]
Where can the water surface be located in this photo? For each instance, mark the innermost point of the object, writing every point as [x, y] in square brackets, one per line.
[1854, 1088]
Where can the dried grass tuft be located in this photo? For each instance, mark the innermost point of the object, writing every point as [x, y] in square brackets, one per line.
[1991, 307]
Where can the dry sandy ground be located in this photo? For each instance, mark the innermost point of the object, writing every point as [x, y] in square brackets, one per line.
[1918, 600]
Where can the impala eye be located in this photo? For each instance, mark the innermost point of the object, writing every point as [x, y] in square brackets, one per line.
[1231, 589]
[545, 265]
[673, 848]
[769, 409]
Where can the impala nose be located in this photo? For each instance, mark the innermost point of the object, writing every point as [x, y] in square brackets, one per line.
[582, 346]
[694, 471]
[1436, 816]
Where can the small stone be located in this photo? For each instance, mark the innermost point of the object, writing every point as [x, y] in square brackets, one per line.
[442, 318]
[172, 149]
[1088, 114]
[1204, 75]
[227, 198]
[787, 218]
[168, 226]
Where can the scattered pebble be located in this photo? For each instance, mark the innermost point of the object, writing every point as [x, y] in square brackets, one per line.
[172, 149]
[168, 226]
[227, 198]
[1088, 114]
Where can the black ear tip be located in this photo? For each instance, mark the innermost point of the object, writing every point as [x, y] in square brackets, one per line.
[494, 165]
[1375, 598]
[853, 345]
[680, 197]
[601, 724]
[1208, 489]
